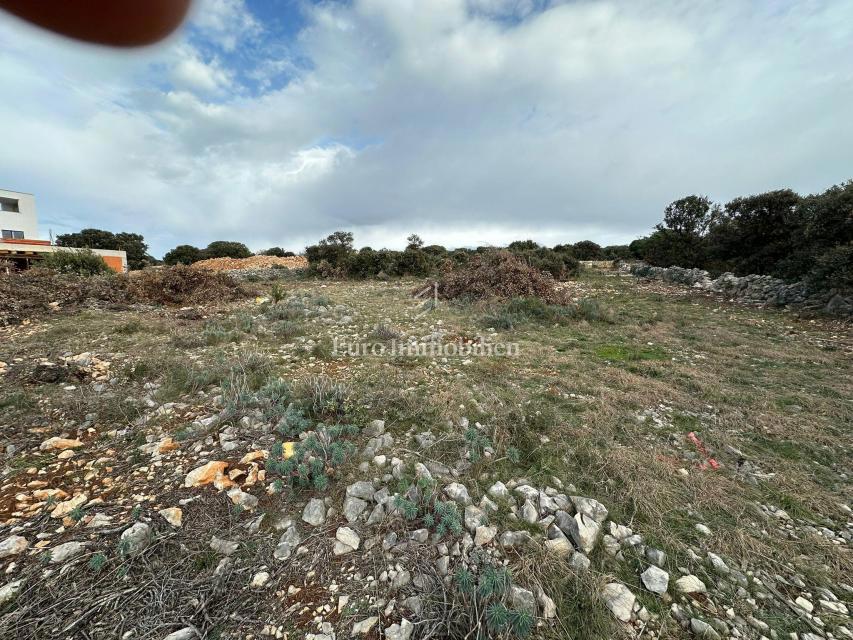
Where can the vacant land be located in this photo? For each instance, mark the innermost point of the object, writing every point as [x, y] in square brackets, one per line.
[654, 463]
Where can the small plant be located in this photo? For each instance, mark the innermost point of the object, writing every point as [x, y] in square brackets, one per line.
[77, 514]
[97, 562]
[293, 422]
[385, 332]
[326, 398]
[315, 458]
[477, 444]
[277, 293]
[287, 329]
[514, 455]
[481, 600]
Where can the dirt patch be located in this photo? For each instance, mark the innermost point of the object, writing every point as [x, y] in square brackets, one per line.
[253, 262]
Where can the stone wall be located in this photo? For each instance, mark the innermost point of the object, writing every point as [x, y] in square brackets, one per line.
[755, 289]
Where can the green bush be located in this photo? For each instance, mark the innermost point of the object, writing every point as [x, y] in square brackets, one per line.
[83, 262]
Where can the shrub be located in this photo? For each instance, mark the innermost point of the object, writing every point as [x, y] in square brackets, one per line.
[83, 262]
[226, 249]
[183, 254]
[315, 458]
[525, 310]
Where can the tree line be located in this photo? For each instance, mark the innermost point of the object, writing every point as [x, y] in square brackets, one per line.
[778, 233]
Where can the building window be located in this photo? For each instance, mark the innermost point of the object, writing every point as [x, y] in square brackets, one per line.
[8, 234]
[8, 204]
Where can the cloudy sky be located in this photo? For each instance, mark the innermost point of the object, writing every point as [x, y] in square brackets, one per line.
[276, 122]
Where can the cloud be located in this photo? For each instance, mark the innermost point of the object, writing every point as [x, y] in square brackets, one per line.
[192, 72]
[467, 121]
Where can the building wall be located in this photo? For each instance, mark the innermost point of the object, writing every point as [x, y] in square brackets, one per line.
[25, 219]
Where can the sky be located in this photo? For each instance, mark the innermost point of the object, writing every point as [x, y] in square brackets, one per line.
[469, 122]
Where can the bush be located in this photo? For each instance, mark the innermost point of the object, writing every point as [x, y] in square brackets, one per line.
[183, 254]
[525, 310]
[226, 249]
[833, 269]
[82, 262]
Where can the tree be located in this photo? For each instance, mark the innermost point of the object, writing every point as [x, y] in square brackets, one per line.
[753, 234]
[523, 245]
[133, 244]
[278, 252]
[183, 254]
[227, 249]
[587, 250]
[414, 241]
[335, 250]
[689, 215]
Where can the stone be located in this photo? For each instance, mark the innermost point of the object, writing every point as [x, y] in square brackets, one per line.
[259, 580]
[59, 444]
[361, 489]
[63, 552]
[579, 562]
[718, 564]
[522, 600]
[474, 517]
[348, 537]
[458, 493]
[135, 539]
[529, 513]
[421, 471]
[9, 591]
[223, 547]
[205, 474]
[498, 491]
[583, 531]
[619, 600]
[353, 508]
[549, 608]
[375, 428]
[515, 538]
[838, 608]
[804, 604]
[288, 541]
[242, 499]
[483, 535]
[400, 580]
[173, 515]
[703, 630]
[64, 508]
[314, 512]
[592, 509]
[402, 631]
[13, 546]
[655, 580]
[703, 529]
[560, 547]
[363, 628]
[442, 565]
[187, 633]
[377, 515]
[656, 557]
[690, 584]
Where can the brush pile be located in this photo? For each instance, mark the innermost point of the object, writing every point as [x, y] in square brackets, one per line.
[498, 275]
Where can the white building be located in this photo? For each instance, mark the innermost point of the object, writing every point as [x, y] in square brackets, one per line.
[19, 240]
[18, 216]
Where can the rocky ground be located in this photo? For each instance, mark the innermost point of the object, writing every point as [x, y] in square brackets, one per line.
[662, 465]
